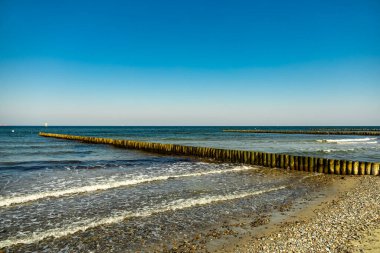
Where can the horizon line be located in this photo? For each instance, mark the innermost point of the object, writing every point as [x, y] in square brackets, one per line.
[5, 125]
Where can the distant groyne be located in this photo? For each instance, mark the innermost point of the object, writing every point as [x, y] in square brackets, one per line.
[321, 132]
[271, 160]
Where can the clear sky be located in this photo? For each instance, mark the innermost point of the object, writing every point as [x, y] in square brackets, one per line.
[235, 62]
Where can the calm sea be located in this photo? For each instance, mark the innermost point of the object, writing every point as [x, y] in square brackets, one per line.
[58, 195]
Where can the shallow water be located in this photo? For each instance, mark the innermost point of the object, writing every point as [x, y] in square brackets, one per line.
[98, 197]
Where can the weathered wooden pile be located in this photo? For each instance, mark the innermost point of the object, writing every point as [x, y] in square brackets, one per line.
[272, 160]
[321, 132]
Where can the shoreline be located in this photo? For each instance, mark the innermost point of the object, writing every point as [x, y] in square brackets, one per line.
[343, 218]
[335, 214]
[230, 235]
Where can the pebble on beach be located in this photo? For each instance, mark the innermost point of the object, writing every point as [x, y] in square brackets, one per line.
[340, 226]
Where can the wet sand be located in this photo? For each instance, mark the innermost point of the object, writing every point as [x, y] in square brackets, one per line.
[235, 235]
[344, 217]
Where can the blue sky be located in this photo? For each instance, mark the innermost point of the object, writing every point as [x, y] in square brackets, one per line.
[190, 62]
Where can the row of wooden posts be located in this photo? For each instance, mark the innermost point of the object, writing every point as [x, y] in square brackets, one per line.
[321, 132]
[346, 129]
[272, 160]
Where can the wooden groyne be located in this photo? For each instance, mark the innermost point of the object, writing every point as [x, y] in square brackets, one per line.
[271, 160]
[321, 132]
[346, 129]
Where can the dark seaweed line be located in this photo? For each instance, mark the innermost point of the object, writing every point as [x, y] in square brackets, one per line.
[370, 133]
[271, 160]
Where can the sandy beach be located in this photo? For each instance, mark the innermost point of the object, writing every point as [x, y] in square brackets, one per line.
[345, 217]
[342, 216]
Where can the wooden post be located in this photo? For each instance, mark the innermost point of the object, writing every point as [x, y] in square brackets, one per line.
[311, 164]
[362, 168]
[292, 162]
[222, 155]
[247, 158]
[259, 159]
[331, 166]
[210, 152]
[273, 165]
[278, 160]
[232, 156]
[226, 155]
[253, 160]
[375, 169]
[315, 167]
[287, 162]
[252, 157]
[301, 163]
[350, 170]
[282, 161]
[343, 167]
[241, 156]
[266, 159]
[202, 152]
[237, 156]
[337, 167]
[296, 165]
[368, 168]
[306, 163]
[356, 168]
[325, 166]
[256, 158]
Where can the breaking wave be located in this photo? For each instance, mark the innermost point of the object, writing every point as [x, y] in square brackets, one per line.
[350, 141]
[7, 201]
[144, 212]
[336, 150]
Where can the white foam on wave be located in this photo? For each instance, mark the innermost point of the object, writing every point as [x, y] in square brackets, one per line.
[7, 201]
[144, 212]
[350, 141]
[336, 150]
